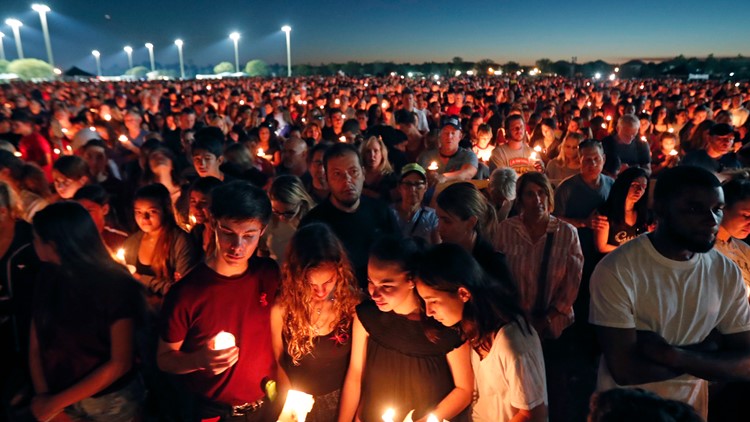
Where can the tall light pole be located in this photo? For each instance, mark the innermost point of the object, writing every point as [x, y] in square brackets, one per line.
[235, 36]
[2, 49]
[98, 63]
[16, 24]
[129, 51]
[43, 10]
[288, 29]
[151, 55]
[179, 44]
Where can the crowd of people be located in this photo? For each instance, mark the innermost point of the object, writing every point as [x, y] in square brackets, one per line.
[478, 248]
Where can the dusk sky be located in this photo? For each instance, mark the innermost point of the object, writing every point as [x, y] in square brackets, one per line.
[388, 30]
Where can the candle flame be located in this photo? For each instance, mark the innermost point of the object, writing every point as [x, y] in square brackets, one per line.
[261, 153]
[122, 138]
[643, 138]
[670, 130]
[433, 166]
[64, 130]
[69, 148]
[296, 407]
[337, 101]
[609, 118]
[193, 220]
[538, 148]
[18, 154]
[604, 125]
[242, 102]
[56, 151]
[223, 340]
[432, 418]
[389, 415]
[107, 117]
[673, 152]
[92, 128]
[533, 156]
[384, 104]
[485, 155]
[342, 139]
[120, 255]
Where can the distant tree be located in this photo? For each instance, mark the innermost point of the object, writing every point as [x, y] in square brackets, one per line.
[302, 70]
[482, 66]
[511, 67]
[4, 66]
[138, 72]
[352, 68]
[30, 69]
[544, 65]
[224, 67]
[257, 68]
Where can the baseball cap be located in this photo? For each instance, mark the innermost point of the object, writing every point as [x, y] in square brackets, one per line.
[451, 121]
[413, 168]
[721, 129]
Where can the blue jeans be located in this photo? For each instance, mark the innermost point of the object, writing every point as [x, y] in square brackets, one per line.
[123, 405]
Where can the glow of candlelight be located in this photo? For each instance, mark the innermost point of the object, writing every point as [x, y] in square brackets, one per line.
[120, 255]
[342, 139]
[389, 415]
[673, 152]
[609, 118]
[643, 138]
[604, 125]
[223, 340]
[56, 151]
[68, 148]
[485, 155]
[242, 102]
[670, 130]
[588, 104]
[337, 101]
[18, 154]
[64, 130]
[261, 153]
[107, 117]
[122, 138]
[538, 148]
[533, 156]
[433, 166]
[193, 220]
[296, 407]
[432, 418]
[92, 128]
[384, 104]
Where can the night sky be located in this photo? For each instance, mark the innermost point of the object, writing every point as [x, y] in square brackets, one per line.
[369, 30]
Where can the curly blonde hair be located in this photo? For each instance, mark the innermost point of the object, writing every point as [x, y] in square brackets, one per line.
[314, 246]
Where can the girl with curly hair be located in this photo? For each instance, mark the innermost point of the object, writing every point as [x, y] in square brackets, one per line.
[311, 321]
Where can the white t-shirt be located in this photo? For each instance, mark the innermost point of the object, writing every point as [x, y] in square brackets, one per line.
[510, 376]
[637, 287]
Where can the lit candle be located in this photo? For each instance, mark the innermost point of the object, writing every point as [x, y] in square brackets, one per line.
[538, 148]
[609, 118]
[18, 154]
[670, 130]
[389, 415]
[433, 166]
[342, 139]
[261, 153]
[122, 138]
[673, 152]
[533, 156]
[193, 220]
[337, 101]
[604, 125]
[384, 104]
[56, 151]
[432, 418]
[92, 128]
[64, 130]
[223, 340]
[120, 255]
[107, 117]
[296, 407]
[409, 417]
[485, 155]
[242, 102]
[643, 138]
[68, 148]
[588, 104]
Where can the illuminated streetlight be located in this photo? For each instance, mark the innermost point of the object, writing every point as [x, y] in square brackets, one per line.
[2, 49]
[151, 55]
[235, 36]
[98, 62]
[43, 10]
[179, 44]
[16, 25]
[129, 51]
[287, 29]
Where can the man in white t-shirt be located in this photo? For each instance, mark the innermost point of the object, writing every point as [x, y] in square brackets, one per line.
[660, 301]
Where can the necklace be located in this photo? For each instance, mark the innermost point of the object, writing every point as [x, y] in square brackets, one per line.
[319, 322]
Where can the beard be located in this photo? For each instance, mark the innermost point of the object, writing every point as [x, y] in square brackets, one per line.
[691, 244]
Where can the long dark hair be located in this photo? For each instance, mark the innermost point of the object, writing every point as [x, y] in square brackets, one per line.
[159, 195]
[493, 303]
[614, 208]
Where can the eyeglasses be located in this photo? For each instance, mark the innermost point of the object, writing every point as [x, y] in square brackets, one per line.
[414, 185]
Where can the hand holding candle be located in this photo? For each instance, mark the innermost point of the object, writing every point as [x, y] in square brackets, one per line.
[223, 341]
[296, 407]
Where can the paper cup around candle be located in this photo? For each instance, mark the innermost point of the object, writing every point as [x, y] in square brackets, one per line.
[296, 407]
[223, 340]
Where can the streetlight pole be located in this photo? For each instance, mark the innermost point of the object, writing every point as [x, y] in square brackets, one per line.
[2, 49]
[151, 55]
[98, 63]
[288, 29]
[129, 51]
[16, 24]
[43, 10]
[235, 36]
[179, 44]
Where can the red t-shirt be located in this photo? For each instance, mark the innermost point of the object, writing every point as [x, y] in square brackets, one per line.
[204, 303]
[35, 148]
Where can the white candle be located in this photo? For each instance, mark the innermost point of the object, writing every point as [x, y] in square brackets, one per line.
[223, 340]
[296, 407]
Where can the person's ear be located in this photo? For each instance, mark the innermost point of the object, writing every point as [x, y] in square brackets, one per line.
[473, 220]
[464, 294]
[105, 209]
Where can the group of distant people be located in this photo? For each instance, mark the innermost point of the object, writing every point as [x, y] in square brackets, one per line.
[480, 249]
